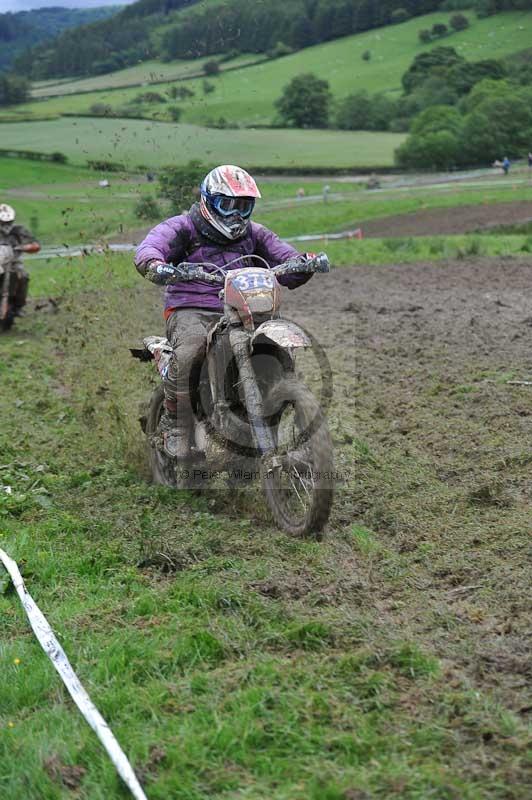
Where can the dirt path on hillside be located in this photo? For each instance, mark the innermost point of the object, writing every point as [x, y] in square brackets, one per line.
[449, 221]
[438, 447]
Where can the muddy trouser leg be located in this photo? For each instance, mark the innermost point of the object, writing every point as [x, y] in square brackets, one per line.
[23, 280]
[186, 330]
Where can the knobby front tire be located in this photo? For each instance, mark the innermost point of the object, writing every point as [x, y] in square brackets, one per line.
[300, 493]
[161, 466]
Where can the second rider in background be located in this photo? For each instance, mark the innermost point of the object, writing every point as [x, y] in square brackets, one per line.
[217, 229]
[22, 241]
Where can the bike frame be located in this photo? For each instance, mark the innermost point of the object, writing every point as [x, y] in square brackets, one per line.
[237, 337]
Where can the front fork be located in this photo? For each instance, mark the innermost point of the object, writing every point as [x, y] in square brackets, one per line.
[4, 303]
[262, 435]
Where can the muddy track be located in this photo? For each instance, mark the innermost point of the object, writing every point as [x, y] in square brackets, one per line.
[449, 221]
[433, 445]
[421, 356]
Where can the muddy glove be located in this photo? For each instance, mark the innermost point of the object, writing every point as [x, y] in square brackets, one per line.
[162, 274]
[31, 247]
[320, 261]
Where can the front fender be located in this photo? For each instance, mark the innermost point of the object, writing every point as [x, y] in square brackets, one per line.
[282, 332]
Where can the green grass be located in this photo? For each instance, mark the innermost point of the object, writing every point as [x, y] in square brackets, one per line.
[247, 97]
[215, 686]
[134, 142]
[23, 172]
[148, 72]
[63, 204]
[409, 250]
[81, 218]
[70, 208]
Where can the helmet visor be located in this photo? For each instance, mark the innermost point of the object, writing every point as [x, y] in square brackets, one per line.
[225, 205]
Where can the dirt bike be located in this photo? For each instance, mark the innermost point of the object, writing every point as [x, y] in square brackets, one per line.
[9, 280]
[253, 417]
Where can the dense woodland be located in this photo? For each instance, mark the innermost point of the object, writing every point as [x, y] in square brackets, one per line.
[477, 113]
[24, 29]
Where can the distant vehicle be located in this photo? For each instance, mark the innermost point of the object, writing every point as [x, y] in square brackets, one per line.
[14, 280]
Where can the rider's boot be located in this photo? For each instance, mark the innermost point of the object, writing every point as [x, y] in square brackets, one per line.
[176, 427]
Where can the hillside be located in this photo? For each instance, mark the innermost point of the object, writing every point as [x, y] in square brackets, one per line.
[186, 29]
[25, 29]
[248, 95]
[147, 72]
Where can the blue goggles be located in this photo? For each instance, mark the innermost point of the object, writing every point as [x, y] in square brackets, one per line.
[226, 206]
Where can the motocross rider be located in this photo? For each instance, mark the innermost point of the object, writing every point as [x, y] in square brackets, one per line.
[217, 229]
[20, 238]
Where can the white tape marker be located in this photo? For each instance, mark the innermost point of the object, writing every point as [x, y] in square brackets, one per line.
[57, 656]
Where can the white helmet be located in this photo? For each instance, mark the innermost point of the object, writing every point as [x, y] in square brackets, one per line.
[7, 214]
[228, 196]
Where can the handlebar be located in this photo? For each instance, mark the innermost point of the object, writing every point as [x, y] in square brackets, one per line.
[318, 263]
[195, 272]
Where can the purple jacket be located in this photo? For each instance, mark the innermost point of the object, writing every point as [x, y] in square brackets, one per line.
[176, 239]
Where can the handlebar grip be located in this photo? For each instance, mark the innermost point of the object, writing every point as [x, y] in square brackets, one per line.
[296, 267]
[195, 272]
[319, 263]
[322, 263]
[192, 273]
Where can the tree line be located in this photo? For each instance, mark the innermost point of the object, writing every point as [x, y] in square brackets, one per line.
[23, 29]
[294, 25]
[275, 27]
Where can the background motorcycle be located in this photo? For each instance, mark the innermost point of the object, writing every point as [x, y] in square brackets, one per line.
[252, 415]
[9, 281]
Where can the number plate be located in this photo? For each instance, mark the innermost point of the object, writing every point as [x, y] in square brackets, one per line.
[252, 279]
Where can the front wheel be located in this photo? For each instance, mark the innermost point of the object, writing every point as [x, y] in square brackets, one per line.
[298, 479]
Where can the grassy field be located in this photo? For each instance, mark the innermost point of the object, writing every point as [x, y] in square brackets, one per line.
[248, 96]
[146, 73]
[16, 172]
[410, 250]
[63, 204]
[69, 208]
[134, 142]
[258, 666]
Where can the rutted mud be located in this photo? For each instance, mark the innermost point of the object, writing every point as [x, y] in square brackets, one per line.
[434, 443]
[438, 444]
[449, 221]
